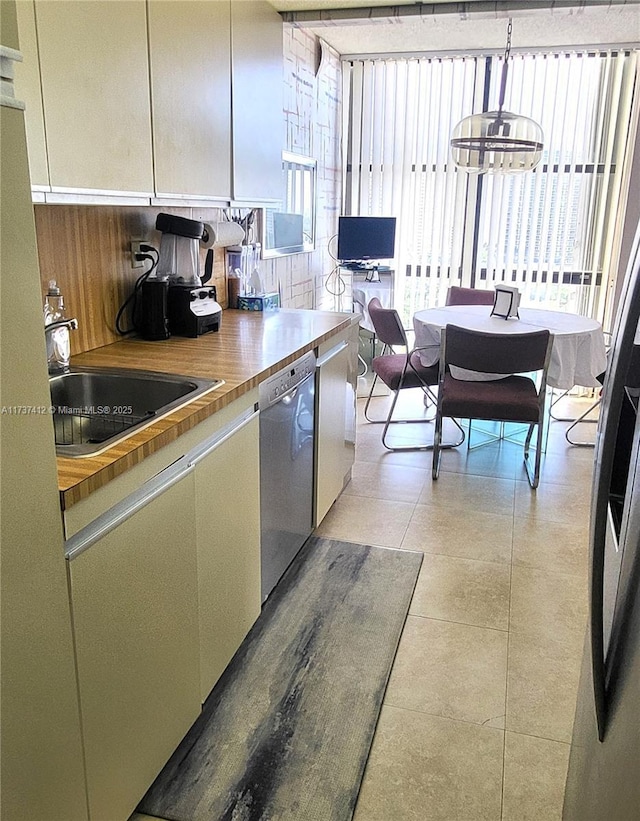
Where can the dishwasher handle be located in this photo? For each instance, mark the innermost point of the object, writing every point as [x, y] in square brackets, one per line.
[280, 385]
[288, 397]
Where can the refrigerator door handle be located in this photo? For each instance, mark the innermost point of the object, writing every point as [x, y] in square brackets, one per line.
[596, 611]
[606, 438]
[611, 408]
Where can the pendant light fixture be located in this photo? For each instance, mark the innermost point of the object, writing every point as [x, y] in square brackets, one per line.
[497, 142]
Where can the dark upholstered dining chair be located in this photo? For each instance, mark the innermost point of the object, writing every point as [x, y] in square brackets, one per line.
[468, 296]
[399, 371]
[513, 398]
[457, 295]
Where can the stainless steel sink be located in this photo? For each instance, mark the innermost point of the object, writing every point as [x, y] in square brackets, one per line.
[93, 408]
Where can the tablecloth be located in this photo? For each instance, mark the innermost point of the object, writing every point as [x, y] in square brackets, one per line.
[577, 357]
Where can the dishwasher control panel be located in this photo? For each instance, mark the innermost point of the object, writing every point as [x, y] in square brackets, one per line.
[278, 385]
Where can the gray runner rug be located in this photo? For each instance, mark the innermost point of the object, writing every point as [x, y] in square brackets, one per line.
[286, 732]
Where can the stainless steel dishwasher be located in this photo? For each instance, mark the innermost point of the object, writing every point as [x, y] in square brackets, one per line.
[286, 402]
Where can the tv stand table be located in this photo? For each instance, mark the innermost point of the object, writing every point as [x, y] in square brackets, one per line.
[361, 287]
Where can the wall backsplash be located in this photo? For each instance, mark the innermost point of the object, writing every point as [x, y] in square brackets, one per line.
[86, 247]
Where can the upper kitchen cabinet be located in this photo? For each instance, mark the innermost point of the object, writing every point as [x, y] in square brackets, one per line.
[257, 83]
[191, 97]
[95, 91]
[28, 90]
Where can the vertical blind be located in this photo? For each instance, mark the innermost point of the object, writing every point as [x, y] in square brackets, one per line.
[552, 231]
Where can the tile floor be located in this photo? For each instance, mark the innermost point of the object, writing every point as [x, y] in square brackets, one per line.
[477, 716]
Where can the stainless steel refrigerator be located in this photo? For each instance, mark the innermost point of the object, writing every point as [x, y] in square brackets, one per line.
[603, 782]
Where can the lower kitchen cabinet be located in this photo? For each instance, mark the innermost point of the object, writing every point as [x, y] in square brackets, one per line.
[335, 419]
[227, 493]
[165, 581]
[134, 594]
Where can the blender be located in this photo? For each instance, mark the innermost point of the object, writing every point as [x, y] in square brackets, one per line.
[178, 299]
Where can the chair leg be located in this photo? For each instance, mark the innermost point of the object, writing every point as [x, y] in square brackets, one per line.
[437, 453]
[579, 420]
[430, 397]
[536, 475]
[442, 446]
[366, 407]
[574, 421]
[553, 402]
[390, 421]
[533, 475]
[438, 445]
[547, 419]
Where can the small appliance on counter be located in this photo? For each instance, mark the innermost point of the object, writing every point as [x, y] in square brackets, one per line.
[179, 260]
[150, 316]
[244, 280]
[193, 311]
[174, 298]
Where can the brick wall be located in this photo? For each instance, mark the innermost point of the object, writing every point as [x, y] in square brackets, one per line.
[312, 109]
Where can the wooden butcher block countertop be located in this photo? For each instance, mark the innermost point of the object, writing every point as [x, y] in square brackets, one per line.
[248, 348]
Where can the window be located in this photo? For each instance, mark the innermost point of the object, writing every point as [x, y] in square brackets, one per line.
[291, 228]
[552, 231]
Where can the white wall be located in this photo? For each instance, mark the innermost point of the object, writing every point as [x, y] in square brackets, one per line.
[312, 110]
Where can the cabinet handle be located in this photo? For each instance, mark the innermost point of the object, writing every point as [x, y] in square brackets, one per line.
[123, 510]
[219, 437]
[330, 354]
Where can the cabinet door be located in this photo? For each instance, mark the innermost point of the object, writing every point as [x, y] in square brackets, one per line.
[134, 598]
[335, 425]
[191, 96]
[29, 89]
[95, 88]
[228, 534]
[258, 118]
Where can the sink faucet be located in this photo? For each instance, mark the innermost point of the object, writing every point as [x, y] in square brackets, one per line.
[58, 348]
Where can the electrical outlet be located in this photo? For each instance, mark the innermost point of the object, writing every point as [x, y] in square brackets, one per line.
[135, 249]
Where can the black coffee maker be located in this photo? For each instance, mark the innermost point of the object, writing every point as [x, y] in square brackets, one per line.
[174, 299]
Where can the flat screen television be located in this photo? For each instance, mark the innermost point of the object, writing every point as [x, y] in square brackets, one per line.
[366, 238]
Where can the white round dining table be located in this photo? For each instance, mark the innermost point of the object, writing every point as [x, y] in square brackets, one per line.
[577, 357]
